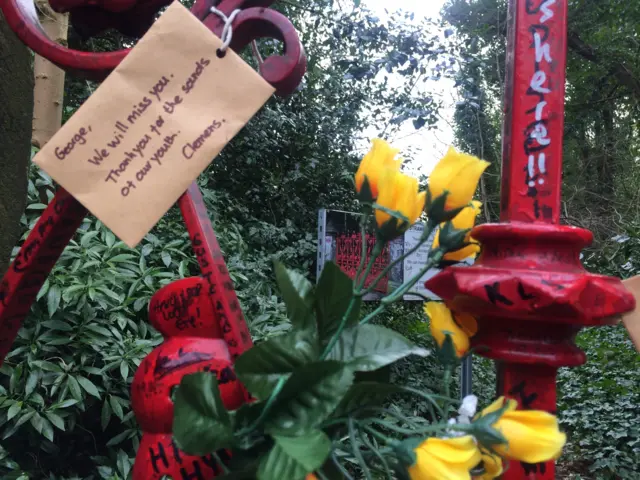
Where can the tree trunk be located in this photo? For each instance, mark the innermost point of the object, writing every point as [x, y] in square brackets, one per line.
[48, 93]
[16, 106]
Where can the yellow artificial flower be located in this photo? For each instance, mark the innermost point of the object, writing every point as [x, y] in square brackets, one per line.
[458, 174]
[464, 220]
[380, 157]
[445, 459]
[532, 436]
[443, 323]
[492, 466]
[398, 192]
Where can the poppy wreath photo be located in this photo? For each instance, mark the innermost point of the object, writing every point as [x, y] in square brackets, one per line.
[320, 394]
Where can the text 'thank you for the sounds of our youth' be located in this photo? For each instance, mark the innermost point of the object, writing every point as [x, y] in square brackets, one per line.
[152, 127]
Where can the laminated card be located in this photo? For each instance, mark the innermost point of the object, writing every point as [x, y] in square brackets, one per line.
[154, 125]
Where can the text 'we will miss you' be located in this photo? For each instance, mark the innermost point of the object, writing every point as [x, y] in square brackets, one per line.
[147, 151]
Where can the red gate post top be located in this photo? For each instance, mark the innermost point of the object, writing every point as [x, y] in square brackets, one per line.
[134, 17]
[528, 288]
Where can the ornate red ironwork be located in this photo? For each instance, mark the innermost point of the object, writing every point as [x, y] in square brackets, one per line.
[284, 72]
[527, 288]
[200, 318]
[349, 253]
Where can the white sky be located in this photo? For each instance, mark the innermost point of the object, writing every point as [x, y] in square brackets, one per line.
[426, 146]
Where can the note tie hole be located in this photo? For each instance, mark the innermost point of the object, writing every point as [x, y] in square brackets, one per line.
[221, 53]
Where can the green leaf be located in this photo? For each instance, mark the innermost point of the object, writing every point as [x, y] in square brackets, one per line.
[364, 394]
[260, 367]
[89, 387]
[201, 422]
[121, 437]
[66, 403]
[14, 410]
[57, 325]
[74, 388]
[32, 381]
[166, 258]
[53, 299]
[105, 415]
[56, 420]
[37, 422]
[370, 347]
[47, 429]
[292, 458]
[333, 296]
[297, 293]
[124, 370]
[116, 407]
[309, 396]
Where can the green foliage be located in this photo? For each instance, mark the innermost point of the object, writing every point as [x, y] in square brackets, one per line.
[64, 389]
[301, 394]
[598, 406]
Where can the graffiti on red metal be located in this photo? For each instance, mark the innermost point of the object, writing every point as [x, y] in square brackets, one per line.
[537, 133]
[160, 456]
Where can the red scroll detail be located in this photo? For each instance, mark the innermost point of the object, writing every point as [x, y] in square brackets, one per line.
[349, 253]
[182, 312]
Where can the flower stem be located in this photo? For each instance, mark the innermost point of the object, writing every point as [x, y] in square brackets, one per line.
[359, 282]
[447, 388]
[356, 449]
[341, 328]
[267, 407]
[379, 309]
[363, 234]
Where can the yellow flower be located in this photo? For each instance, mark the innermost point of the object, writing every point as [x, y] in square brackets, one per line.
[445, 459]
[464, 220]
[380, 157]
[532, 436]
[398, 192]
[492, 466]
[459, 174]
[444, 322]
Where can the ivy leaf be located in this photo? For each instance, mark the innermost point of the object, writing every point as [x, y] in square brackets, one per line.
[297, 293]
[295, 457]
[333, 296]
[201, 422]
[260, 367]
[309, 396]
[370, 347]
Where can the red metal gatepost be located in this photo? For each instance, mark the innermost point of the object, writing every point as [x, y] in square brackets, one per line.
[527, 288]
[200, 317]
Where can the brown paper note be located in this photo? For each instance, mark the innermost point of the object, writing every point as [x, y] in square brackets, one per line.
[154, 125]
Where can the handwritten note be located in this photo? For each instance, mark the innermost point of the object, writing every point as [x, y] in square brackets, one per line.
[415, 262]
[154, 125]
